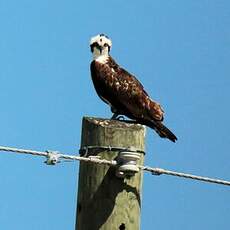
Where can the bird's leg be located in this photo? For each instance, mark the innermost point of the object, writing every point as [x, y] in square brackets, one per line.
[116, 114]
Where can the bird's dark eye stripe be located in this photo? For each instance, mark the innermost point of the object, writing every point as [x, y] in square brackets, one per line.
[95, 44]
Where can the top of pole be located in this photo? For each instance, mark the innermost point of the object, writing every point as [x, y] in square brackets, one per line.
[114, 123]
[116, 132]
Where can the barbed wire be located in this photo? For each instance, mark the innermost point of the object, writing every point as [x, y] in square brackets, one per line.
[54, 157]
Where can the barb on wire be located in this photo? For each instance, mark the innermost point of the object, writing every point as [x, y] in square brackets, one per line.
[54, 157]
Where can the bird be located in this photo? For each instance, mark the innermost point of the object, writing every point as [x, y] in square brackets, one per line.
[122, 91]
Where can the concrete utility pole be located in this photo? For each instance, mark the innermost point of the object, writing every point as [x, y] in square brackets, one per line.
[105, 201]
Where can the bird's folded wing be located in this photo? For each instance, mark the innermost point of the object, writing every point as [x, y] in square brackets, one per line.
[123, 91]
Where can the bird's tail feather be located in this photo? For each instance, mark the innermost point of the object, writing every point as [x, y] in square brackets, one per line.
[162, 130]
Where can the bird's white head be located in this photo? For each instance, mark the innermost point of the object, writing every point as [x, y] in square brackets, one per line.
[100, 46]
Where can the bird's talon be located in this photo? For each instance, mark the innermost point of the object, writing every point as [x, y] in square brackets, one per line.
[117, 117]
[120, 118]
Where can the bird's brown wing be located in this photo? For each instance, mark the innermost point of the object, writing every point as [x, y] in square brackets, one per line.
[124, 92]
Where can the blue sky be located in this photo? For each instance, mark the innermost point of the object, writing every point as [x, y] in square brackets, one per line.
[180, 52]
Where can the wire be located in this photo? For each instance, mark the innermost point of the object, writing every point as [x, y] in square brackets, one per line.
[160, 171]
[58, 155]
[53, 157]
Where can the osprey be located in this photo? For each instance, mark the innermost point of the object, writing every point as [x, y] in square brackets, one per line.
[122, 91]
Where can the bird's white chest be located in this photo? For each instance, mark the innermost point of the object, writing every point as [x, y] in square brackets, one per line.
[102, 59]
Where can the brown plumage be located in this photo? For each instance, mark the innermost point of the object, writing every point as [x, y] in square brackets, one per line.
[126, 95]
